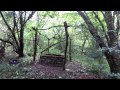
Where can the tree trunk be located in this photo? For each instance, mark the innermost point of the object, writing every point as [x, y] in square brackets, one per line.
[60, 45]
[113, 61]
[70, 57]
[82, 52]
[21, 42]
[48, 45]
[113, 57]
[66, 46]
[35, 46]
[21, 48]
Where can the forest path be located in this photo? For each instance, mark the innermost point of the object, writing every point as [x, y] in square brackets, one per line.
[73, 71]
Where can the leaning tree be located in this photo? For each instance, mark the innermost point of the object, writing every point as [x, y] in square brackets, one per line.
[110, 26]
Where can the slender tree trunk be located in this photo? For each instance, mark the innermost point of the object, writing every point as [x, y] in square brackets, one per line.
[66, 46]
[60, 45]
[48, 45]
[83, 47]
[84, 44]
[35, 46]
[70, 57]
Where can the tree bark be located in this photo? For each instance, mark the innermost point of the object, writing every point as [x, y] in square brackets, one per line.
[114, 62]
[66, 46]
[70, 57]
[112, 33]
[35, 46]
[21, 48]
[48, 44]
[113, 57]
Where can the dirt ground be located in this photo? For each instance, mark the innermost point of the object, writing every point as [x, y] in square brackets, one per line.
[73, 71]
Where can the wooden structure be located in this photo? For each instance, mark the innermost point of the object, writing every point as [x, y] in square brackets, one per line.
[52, 59]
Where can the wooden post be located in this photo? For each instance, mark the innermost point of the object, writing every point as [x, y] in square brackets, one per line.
[66, 45]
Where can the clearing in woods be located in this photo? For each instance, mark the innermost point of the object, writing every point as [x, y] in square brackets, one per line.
[73, 71]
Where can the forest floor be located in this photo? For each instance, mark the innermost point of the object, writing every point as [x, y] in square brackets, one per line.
[73, 71]
[22, 70]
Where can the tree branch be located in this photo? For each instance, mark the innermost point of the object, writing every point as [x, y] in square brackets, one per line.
[6, 41]
[30, 16]
[9, 28]
[92, 30]
[111, 29]
[107, 38]
[56, 26]
[5, 21]
[51, 46]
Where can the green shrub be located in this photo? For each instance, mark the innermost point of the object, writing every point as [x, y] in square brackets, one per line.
[13, 72]
[25, 61]
[18, 71]
[114, 76]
